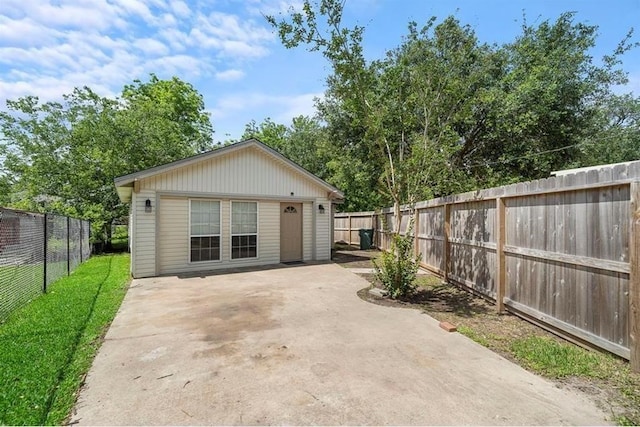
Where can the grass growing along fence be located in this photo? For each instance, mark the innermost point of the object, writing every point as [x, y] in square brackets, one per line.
[47, 346]
[555, 359]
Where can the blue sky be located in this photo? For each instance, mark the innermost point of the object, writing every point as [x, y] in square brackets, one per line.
[226, 50]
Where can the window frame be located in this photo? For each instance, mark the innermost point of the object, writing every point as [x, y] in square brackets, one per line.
[219, 235]
[232, 235]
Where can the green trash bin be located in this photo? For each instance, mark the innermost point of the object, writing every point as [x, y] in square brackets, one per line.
[366, 238]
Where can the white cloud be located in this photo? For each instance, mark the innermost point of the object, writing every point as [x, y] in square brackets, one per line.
[230, 75]
[23, 32]
[14, 8]
[229, 105]
[98, 43]
[231, 35]
[294, 106]
[180, 8]
[46, 88]
[91, 15]
[136, 7]
[232, 112]
[179, 65]
[48, 47]
[634, 83]
[177, 39]
[283, 108]
[151, 46]
[168, 20]
[273, 7]
[225, 26]
[239, 48]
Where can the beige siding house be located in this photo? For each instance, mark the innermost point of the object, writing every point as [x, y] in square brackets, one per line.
[241, 205]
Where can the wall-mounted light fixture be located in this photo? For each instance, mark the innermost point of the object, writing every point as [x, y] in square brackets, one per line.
[321, 209]
[147, 206]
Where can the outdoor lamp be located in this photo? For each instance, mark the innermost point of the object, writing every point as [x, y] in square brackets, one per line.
[147, 205]
[321, 209]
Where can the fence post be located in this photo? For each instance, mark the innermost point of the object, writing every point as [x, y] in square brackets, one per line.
[445, 243]
[44, 257]
[501, 274]
[376, 234]
[416, 225]
[349, 216]
[634, 279]
[81, 232]
[68, 247]
[373, 225]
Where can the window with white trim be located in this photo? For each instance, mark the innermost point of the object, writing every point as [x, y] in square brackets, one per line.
[244, 230]
[204, 223]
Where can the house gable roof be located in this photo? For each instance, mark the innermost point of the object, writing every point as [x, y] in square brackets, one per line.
[125, 183]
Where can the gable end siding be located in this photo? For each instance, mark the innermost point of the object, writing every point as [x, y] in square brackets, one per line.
[247, 172]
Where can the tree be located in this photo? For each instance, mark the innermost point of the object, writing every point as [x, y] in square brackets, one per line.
[615, 132]
[443, 113]
[307, 145]
[269, 132]
[304, 142]
[162, 120]
[544, 104]
[445, 78]
[352, 77]
[401, 116]
[5, 190]
[63, 157]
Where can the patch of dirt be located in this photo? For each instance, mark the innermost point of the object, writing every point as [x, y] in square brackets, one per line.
[477, 318]
[353, 257]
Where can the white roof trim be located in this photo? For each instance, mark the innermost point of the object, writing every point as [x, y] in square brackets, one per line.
[128, 180]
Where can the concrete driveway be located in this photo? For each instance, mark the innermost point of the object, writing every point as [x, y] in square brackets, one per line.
[296, 345]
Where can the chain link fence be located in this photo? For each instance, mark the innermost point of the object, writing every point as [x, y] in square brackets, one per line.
[35, 251]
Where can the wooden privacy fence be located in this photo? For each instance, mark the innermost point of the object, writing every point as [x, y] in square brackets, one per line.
[562, 252]
[346, 226]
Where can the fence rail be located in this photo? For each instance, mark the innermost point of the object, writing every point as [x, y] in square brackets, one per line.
[562, 252]
[35, 251]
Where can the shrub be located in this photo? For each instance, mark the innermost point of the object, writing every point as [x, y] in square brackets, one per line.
[397, 268]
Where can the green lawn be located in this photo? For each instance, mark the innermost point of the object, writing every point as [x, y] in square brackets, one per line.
[47, 346]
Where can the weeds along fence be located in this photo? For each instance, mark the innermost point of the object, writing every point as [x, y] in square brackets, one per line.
[35, 251]
[562, 252]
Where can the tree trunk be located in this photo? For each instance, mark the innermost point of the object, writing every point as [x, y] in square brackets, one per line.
[396, 217]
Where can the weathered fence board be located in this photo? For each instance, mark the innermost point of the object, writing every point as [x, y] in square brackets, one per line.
[430, 237]
[347, 226]
[562, 251]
